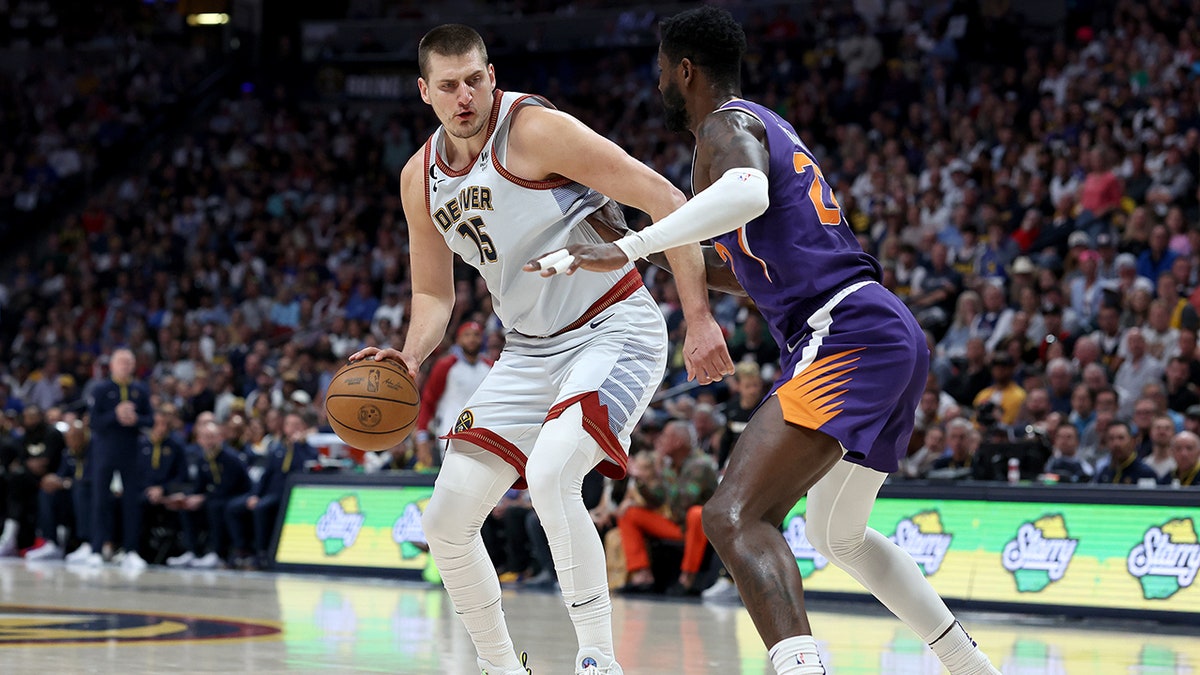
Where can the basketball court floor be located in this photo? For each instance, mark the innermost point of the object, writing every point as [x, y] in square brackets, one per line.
[58, 619]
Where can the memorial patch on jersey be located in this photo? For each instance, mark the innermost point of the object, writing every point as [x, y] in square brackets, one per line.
[465, 421]
[33, 626]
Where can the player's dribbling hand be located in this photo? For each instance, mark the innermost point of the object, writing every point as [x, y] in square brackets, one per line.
[591, 257]
[704, 352]
[388, 354]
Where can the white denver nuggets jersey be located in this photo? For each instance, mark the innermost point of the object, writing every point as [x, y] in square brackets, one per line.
[497, 222]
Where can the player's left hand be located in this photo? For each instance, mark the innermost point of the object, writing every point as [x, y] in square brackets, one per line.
[704, 352]
[591, 257]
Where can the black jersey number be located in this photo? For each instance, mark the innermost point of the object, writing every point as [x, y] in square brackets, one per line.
[473, 228]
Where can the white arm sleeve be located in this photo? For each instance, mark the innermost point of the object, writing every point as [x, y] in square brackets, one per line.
[736, 198]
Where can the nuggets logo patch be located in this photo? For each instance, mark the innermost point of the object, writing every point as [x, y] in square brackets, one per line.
[33, 626]
[465, 421]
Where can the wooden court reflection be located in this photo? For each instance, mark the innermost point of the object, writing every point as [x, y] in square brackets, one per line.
[328, 625]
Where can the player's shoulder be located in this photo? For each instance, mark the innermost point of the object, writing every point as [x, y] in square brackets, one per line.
[725, 124]
[415, 166]
[539, 120]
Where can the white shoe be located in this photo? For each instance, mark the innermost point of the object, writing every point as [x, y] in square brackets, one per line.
[723, 590]
[209, 561]
[47, 551]
[183, 560]
[588, 660]
[80, 554]
[94, 560]
[133, 561]
[484, 666]
[8, 546]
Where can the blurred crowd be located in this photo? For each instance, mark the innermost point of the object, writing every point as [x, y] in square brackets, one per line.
[1036, 205]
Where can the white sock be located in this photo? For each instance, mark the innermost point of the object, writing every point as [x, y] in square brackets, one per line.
[593, 628]
[797, 655]
[10, 529]
[959, 653]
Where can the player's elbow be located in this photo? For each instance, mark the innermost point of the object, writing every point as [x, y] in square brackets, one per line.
[753, 194]
[675, 197]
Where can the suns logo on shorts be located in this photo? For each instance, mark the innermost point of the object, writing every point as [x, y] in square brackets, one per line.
[26, 626]
[465, 421]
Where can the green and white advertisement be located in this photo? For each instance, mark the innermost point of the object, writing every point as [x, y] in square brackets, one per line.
[1137, 557]
[358, 526]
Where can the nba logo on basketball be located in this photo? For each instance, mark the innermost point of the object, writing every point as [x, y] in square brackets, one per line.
[373, 381]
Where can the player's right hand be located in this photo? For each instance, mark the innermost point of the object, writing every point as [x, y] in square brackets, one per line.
[388, 354]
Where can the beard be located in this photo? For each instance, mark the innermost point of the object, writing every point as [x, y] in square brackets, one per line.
[677, 118]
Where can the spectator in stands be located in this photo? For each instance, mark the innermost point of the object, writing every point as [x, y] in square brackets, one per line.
[1181, 393]
[1003, 392]
[1087, 289]
[1060, 376]
[261, 503]
[1162, 341]
[748, 387]
[1065, 462]
[220, 477]
[918, 463]
[1108, 336]
[672, 485]
[707, 423]
[1159, 458]
[1138, 368]
[958, 460]
[1157, 258]
[118, 410]
[1100, 193]
[972, 376]
[1185, 448]
[1123, 466]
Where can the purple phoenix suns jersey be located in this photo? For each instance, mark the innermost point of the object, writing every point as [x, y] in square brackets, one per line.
[801, 251]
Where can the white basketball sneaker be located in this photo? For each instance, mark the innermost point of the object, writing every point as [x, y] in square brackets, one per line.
[588, 660]
[484, 665]
[182, 560]
[209, 561]
[80, 554]
[47, 551]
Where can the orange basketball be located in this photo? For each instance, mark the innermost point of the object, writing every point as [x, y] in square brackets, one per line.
[372, 405]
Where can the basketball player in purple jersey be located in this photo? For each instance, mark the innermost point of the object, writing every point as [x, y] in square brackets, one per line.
[854, 360]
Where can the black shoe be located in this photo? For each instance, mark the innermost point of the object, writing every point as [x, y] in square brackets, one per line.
[637, 589]
[678, 590]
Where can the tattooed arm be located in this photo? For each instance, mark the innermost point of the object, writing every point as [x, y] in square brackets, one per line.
[726, 146]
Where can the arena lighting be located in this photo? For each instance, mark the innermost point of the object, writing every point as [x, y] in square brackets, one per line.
[208, 19]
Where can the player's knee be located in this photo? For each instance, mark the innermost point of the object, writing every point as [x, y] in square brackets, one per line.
[445, 523]
[720, 522]
[835, 544]
[818, 535]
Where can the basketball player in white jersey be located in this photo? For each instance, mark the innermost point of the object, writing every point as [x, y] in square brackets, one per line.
[505, 178]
